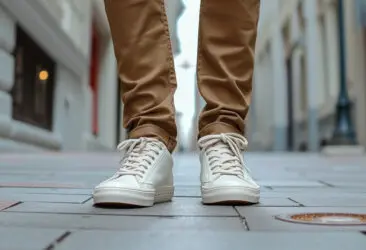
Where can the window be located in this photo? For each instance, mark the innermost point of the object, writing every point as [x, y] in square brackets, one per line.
[33, 84]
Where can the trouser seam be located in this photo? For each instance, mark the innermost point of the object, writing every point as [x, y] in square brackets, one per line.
[164, 20]
[199, 47]
[170, 59]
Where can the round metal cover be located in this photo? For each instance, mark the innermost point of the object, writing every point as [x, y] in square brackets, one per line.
[326, 219]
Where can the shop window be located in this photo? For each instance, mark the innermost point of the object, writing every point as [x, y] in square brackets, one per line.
[33, 82]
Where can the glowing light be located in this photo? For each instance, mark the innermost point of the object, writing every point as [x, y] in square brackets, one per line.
[43, 75]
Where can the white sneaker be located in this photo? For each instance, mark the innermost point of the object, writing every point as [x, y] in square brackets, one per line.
[224, 177]
[145, 176]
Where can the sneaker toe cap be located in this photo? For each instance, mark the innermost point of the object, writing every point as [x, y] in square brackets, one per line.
[122, 182]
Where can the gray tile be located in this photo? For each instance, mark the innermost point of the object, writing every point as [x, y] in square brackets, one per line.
[339, 176]
[187, 191]
[5, 204]
[188, 181]
[271, 194]
[331, 201]
[279, 175]
[263, 218]
[41, 184]
[276, 202]
[93, 240]
[64, 191]
[13, 238]
[166, 225]
[49, 172]
[127, 223]
[348, 184]
[289, 183]
[318, 191]
[46, 198]
[179, 207]
[43, 180]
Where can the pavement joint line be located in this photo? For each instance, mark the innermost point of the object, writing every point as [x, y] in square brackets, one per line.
[12, 205]
[57, 241]
[325, 183]
[127, 215]
[21, 187]
[298, 203]
[243, 220]
[91, 197]
[54, 202]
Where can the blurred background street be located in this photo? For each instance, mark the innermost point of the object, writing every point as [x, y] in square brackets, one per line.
[61, 120]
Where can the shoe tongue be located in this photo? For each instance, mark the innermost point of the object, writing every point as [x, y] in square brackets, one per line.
[224, 149]
[137, 148]
[142, 148]
[219, 145]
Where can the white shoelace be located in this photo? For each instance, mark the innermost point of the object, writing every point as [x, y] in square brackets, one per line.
[224, 153]
[139, 154]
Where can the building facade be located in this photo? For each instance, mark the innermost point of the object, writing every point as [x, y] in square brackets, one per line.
[296, 80]
[58, 77]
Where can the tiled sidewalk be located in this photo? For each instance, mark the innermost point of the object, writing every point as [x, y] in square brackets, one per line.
[45, 204]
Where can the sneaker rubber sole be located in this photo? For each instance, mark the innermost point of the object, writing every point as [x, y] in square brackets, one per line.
[132, 197]
[230, 195]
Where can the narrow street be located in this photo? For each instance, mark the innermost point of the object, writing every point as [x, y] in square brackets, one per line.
[45, 203]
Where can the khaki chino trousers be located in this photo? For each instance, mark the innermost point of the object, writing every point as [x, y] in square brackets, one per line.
[225, 62]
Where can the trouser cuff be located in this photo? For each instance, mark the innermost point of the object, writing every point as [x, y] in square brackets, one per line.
[218, 128]
[156, 132]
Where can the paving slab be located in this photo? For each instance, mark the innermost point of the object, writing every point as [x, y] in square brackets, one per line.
[276, 202]
[16, 173]
[95, 240]
[15, 238]
[187, 191]
[331, 201]
[263, 218]
[348, 184]
[28, 184]
[195, 192]
[329, 171]
[55, 181]
[290, 183]
[120, 223]
[6, 204]
[319, 191]
[335, 175]
[179, 207]
[59, 191]
[46, 197]
[281, 175]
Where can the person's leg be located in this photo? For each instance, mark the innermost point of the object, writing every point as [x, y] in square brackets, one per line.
[227, 37]
[140, 34]
[142, 45]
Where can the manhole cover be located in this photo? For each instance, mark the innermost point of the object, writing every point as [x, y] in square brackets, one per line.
[329, 219]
